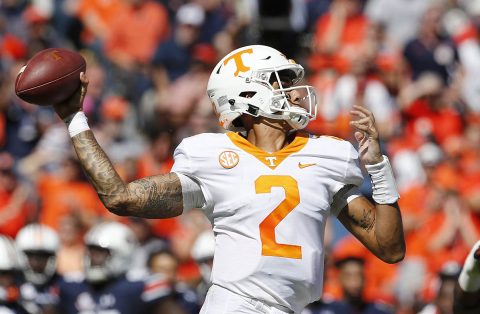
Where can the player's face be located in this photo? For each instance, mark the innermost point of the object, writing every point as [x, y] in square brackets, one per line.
[98, 255]
[38, 260]
[285, 80]
[352, 278]
[165, 264]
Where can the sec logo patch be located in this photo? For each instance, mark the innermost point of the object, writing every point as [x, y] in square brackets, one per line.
[228, 159]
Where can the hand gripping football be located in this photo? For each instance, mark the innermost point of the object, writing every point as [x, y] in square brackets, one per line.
[50, 76]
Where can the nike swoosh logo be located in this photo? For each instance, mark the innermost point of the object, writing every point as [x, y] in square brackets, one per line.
[301, 166]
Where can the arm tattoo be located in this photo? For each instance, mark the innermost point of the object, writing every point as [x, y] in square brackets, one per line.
[159, 194]
[366, 221]
[152, 197]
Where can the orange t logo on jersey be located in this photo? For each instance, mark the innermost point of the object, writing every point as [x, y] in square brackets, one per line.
[238, 61]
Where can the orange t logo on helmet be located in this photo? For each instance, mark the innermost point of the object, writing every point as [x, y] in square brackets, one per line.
[237, 57]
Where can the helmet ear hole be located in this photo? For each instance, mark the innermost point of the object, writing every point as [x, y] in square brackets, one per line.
[248, 94]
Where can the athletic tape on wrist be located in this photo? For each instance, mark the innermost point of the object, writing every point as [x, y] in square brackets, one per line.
[78, 123]
[383, 182]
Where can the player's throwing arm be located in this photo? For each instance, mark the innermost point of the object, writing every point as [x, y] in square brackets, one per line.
[151, 197]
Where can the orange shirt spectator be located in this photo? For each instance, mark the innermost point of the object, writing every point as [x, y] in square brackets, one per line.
[340, 36]
[430, 115]
[14, 210]
[97, 16]
[14, 205]
[414, 213]
[443, 233]
[135, 32]
[60, 198]
[65, 193]
[454, 251]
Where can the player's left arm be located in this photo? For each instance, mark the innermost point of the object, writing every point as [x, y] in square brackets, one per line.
[377, 225]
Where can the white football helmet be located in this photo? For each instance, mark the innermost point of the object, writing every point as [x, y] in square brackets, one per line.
[120, 242]
[8, 253]
[38, 239]
[241, 83]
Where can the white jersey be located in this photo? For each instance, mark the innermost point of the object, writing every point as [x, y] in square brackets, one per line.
[269, 210]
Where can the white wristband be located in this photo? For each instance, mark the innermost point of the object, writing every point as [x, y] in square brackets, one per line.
[77, 124]
[383, 182]
[469, 279]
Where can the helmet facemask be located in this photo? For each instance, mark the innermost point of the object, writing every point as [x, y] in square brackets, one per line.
[98, 266]
[40, 266]
[274, 97]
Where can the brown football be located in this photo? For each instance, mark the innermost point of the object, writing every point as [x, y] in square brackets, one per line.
[50, 76]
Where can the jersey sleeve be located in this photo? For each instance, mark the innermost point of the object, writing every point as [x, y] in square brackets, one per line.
[348, 189]
[353, 174]
[183, 165]
[346, 194]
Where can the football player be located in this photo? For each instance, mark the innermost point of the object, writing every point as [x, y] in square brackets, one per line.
[106, 287]
[38, 245]
[266, 186]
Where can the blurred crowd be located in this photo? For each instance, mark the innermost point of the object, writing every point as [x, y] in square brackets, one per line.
[414, 63]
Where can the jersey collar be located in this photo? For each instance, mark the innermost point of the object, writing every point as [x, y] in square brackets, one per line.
[271, 160]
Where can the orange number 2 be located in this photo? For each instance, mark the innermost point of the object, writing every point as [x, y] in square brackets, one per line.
[270, 246]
